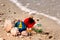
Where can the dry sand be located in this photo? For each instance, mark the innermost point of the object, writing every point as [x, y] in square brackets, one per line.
[9, 10]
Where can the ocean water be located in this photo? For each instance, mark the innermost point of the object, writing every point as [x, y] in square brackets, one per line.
[48, 8]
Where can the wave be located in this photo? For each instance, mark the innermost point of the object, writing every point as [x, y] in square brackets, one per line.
[23, 8]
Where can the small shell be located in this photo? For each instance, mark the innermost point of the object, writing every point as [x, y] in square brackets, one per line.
[24, 33]
[8, 34]
[8, 25]
[14, 31]
[1, 39]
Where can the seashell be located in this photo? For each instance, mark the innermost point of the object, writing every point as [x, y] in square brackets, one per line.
[2, 39]
[8, 34]
[24, 33]
[14, 31]
[8, 25]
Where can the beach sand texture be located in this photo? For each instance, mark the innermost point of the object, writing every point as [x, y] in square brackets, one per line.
[8, 10]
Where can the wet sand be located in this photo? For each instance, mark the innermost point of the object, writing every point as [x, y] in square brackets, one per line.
[8, 10]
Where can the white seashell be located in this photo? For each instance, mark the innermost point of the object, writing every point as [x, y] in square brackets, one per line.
[8, 34]
[14, 31]
[24, 33]
[8, 25]
[1, 39]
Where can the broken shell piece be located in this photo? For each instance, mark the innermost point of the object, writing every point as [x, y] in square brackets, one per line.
[14, 31]
[21, 36]
[8, 25]
[2, 39]
[8, 34]
[24, 33]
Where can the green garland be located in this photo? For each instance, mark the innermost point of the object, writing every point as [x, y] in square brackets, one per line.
[36, 30]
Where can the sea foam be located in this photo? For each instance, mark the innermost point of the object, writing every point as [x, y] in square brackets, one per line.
[23, 8]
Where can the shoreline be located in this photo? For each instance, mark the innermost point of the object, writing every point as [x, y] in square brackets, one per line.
[33, 11]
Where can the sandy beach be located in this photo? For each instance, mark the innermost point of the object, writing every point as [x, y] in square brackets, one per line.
[8, 10]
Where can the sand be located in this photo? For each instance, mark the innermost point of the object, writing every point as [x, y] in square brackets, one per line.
[8, 10]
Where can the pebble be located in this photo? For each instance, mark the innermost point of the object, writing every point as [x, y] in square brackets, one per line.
[14, 12]
[1, 13]
[50, 37]
[24, 33]
[47, 33]
[8, 34]
[9, 11]
[2, 4]
[37, 19]
[21, 36]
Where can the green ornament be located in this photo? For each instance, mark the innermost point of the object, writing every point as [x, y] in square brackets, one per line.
[36, 30]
